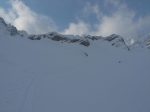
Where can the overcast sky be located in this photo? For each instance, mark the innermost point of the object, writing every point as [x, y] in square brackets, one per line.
[129, 18]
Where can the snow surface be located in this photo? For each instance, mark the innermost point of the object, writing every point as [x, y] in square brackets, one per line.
[48, 76]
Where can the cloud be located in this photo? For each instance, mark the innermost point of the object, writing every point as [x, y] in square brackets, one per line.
[21, 16]
[78, 28]
[120, 20]
[124, 22]
[81, 27]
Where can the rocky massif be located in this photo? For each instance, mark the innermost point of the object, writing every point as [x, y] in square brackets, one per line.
[85, 40]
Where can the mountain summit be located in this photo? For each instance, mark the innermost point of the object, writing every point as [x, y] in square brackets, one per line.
[85, 40]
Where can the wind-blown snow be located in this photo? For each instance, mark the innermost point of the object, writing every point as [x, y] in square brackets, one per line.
[47, 76]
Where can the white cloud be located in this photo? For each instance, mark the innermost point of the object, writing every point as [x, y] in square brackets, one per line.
[120, 22]
[21, 16]
[81, 27]
[123, 21]
[78, 28]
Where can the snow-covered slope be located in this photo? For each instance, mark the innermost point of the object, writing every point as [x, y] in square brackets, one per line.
[39, 74]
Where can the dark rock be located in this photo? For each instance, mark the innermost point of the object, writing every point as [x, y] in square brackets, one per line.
[31, 37]
[112, 37]
[13, 30]
[3, 21]
[117, 41]
[85, 43]
[86, 54]
[148, 44]
[38, 38]
[74, 40]
[58, 38]
[91, 37]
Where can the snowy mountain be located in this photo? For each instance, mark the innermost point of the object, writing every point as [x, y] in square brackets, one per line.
[66, 73]
[114, 40]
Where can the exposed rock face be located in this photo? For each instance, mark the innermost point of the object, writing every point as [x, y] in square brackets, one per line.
[13, 30]
[148, 44]
[117, 41]
[10, 29]
[61, 38]
[2, 22]
[114, 39]
[3, 26]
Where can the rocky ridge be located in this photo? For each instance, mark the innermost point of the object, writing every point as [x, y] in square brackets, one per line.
[85, 40]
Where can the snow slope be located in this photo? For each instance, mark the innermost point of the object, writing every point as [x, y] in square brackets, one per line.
[50, 76]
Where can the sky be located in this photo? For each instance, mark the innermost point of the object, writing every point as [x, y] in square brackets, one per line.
[128, 18]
